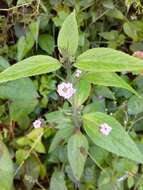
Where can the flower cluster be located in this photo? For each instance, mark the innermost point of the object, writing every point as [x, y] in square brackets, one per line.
[105, 129]
[138, 54]
[66, 90]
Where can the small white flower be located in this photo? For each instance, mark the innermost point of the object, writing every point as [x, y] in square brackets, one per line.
[105, 129]
[37, 123]
[78, 73]
[66, 90]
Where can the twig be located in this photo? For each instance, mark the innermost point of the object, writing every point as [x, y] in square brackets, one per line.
[15, 7]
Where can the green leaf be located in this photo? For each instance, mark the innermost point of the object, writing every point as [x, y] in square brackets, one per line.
[98, 155]
[82, 92]
[25, 43]
[3, 63]
[97, 105]
[46, 43]
[61, 135]
[117, 142]
[32, 171]
[130, 30]
[20, 155]
[68, 36]
[108, 4]
[77, 153]
[22, 95]
[57, 181]
[6, 169]
[20, 109]
[103, 91]
[29, 139]
[107, 60]
[135, 105]
[21, 48]
[108, 79]
[31, 66]
[58, 117]
[111, 36]
[115, 13]
[18, 90]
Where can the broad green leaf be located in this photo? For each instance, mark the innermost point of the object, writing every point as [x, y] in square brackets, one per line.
[117, 142]
[68, 36]
[107, 60]
[18, 90]
[60, 137]
[46, 43]
[82, 92]
[135, 105]
[23, 98]
[57, 181]
[31, 66]
[20, 109]
[108, 79]
[6, 169]
[77, 153]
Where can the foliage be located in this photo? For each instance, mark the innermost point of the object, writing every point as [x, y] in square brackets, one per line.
[89, 44]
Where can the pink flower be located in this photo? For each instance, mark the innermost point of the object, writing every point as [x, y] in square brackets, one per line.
[66, 90]
[138, 54]
[78, 73]
[37, 123]
[105, 129]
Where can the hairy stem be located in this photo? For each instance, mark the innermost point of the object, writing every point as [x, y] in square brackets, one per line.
[75, 113]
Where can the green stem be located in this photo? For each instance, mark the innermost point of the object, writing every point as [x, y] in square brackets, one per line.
[75, 114]
[68, 68]
[74, 108]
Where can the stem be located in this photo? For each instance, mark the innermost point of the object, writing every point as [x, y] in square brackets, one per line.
[74, 107]
[75, 114]
[68, 68]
